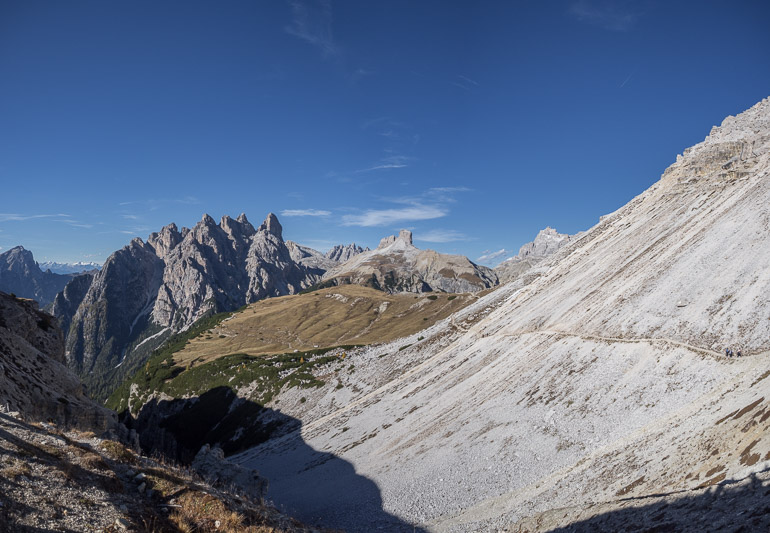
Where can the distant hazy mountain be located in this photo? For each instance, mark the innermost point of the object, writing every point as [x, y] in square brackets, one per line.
[21, 275]
[310, 258]
[547, 242]
[398, 266]
[69, 268]
[341, 252]
[147, 291]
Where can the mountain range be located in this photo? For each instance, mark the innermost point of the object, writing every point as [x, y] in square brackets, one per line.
[69, 268]
[21, 275]
[617, 379]
[148, 291]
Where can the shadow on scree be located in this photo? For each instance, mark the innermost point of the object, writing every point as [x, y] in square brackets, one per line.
[318, 488]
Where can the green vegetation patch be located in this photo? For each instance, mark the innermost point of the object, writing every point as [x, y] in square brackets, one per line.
[268, 374]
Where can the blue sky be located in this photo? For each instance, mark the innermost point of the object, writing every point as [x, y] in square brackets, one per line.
[475, 124]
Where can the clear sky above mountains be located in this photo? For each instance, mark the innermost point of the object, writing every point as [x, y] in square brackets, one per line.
[475, 124]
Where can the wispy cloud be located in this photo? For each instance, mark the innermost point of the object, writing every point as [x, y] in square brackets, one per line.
[6, 217]
[154, 204]
[76, 223]
[312, 22]
[430, 204]
[385, 217]
[492, 258]
[612, 15]
[442, 235]
[384, 166]
[305, 213]
[136, 230]
[464, 83]
[390, 162]
[628, 78]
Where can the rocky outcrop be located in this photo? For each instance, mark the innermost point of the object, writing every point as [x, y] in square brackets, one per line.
[211, 465]
[21, 275]
[312, 259]
[34, 381]
[547, 242]
[149, 290]
[344, 252]
[398, 266]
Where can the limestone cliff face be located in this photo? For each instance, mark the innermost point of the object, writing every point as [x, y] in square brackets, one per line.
[21, 275]
[398, 266]
[149, 290]
[34, 380]
[547, 242]
[66, 303]
[119, 296]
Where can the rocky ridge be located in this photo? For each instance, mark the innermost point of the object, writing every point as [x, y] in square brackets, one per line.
[78, 267]
[547, 242]
[34, 381]
[148, 290]
[398, 266]
[343, 252]
[21, 275]
[595, 387]
[312, 259]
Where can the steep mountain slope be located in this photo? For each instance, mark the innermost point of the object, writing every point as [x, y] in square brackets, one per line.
[601, 380]
[34, 381]
[546, 243]
[147, 291]
[21, 275]
[398, 266]
[63, 466]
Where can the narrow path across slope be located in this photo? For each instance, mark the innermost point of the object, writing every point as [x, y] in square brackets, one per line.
[585, 336]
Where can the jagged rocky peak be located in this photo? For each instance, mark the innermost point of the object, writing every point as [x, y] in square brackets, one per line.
[21, 275]
[272, 226]
[399, 266]
[548, 240]
[341, 253]
[146, 292]
[238, 228]
[404, 238]
[166, 240]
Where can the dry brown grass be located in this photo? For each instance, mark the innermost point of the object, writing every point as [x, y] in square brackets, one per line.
[348, 314]
[117, 452]
[93, 461]
[16, 470]
[199, 511]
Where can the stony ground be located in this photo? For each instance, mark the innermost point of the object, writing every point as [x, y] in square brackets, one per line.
[75, 482]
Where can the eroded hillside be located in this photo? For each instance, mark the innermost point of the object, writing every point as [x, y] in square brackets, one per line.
[603, 379]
